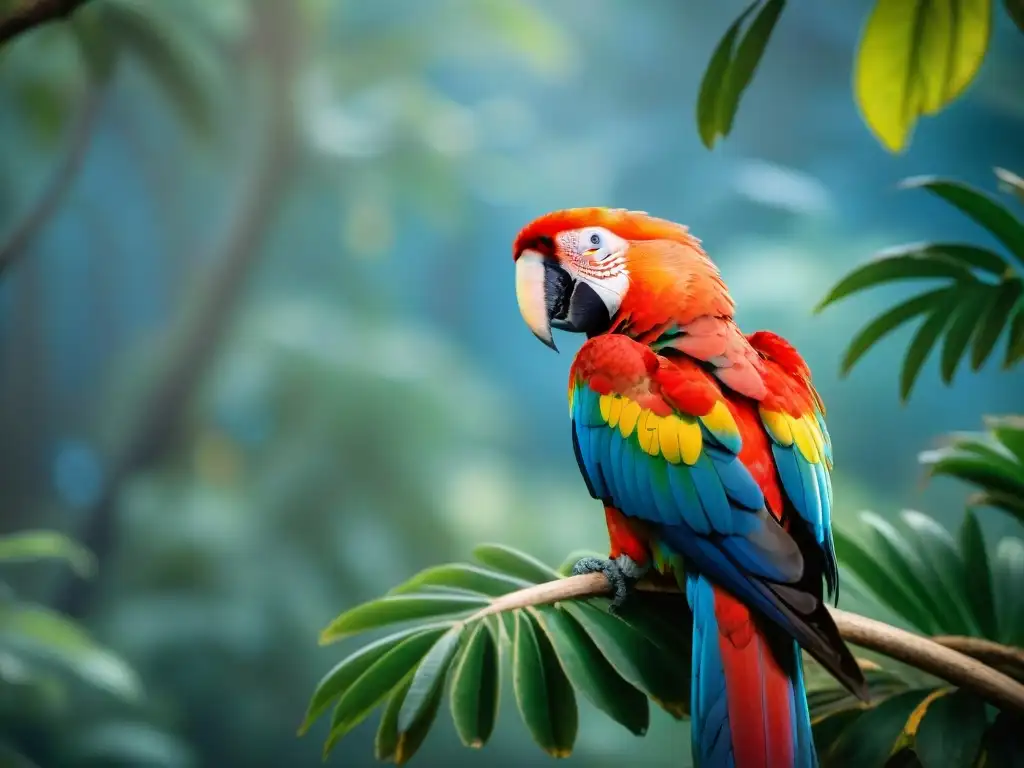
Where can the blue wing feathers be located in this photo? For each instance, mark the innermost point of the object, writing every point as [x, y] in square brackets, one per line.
[630, 479]
[613, 471]
[806, 756]
[685, 494]
[800, 483]
[712, 495]
[739, 484]
[598, 454]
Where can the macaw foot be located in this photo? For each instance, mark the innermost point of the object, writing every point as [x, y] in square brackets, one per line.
[622, 573]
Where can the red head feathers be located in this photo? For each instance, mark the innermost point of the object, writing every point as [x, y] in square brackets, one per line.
[598, 270]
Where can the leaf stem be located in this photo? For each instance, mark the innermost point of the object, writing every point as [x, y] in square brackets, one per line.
[953, 659]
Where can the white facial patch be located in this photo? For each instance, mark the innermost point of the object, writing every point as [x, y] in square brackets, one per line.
[597, 256]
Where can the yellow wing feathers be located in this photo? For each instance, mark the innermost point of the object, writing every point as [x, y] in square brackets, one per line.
[677, 437]
[804, 431]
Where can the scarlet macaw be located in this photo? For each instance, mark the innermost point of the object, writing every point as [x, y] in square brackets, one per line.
[709, 452]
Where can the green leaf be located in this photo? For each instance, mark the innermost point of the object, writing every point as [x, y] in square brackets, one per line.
[903, 758]
[982, 209]
[748, 55]
[951, 731]
[915, 58]
[514, 563]
[997, 455]
[430, 675]
[381, 678]
[411, 740]
[713, 83]
[544, 695]
[28, 546]
[42, 632]
[824, 702]
[971, 305]
[462, 576]
[590, 672]
[920, 347]
[1004, 742]
[1008, 179]
[93, 39]
[979, 470]
[826, 730]
[883, 325]
[1007, 502]
[664, 618]
[969, 256]
[642, 663]
[940, 559]
[888, 268]
[868, 741]
[386, 740]
[1008, 576]
[1015, 339]
[892, 551]
[348, 670]
[883, 582]
[995, 319]
[170, 52]
[1009, 430]
[565, 569]
[396, 609]
[977, 574]
[475, 688]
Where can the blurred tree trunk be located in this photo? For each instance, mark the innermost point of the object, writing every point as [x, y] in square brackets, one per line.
[21, 237]
[274, 48]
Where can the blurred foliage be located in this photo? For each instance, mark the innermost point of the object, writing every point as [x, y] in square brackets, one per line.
[55, 678]
[992, 461]
[984, 299]
[732, 68]
[913, 59]
[937, 584]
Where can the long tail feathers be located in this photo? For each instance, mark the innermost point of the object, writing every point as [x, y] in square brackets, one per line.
[749, 704]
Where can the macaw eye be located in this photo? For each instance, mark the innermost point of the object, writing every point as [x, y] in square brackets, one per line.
[595, 239]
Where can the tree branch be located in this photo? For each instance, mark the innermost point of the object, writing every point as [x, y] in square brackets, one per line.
[1003, 657]
[935, 656]
[25, 231]
[34, 13]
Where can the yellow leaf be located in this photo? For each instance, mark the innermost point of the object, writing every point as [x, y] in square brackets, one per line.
[914, 58]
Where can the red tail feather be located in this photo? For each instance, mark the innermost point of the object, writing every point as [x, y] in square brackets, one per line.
[758, 689]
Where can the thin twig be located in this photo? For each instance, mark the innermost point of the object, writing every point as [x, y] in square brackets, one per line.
[34, 13]
[32, 223]
[930, 656]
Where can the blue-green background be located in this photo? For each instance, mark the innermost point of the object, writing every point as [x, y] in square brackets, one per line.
[375, 404]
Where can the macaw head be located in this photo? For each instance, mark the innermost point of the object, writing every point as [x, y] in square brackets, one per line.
[585, 270]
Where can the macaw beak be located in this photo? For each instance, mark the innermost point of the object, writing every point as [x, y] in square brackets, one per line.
[550, 298]
[541, 288]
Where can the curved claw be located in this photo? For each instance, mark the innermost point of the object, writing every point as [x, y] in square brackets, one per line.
[622, 573]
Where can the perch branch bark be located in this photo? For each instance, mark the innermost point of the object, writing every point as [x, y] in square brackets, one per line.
[937, 657]
[34, 13]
